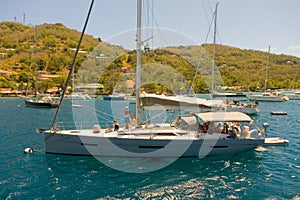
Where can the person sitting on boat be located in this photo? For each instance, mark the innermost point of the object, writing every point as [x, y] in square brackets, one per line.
[126, 118]
[132, 119]
[116, 125]
[237, 127]
[232, 132]
[217, 128]
[203, 128]
[225, 128]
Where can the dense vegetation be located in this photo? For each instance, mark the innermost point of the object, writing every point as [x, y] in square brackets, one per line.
[47, 47]
[50, 48]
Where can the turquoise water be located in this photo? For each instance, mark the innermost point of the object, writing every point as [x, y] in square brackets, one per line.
[268, 175]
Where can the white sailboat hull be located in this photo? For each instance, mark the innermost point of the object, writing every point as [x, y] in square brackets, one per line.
[145, 146]
[294, 97]
[268, 98]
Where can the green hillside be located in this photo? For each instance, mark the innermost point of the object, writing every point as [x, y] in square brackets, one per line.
[46, 47]
[247, 68]
[49, 48]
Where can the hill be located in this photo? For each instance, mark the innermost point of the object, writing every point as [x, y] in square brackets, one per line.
[49, 48]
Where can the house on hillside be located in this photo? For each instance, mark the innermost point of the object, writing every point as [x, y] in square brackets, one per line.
[5, 73]
[8, 92]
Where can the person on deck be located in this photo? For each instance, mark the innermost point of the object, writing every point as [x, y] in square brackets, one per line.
[126, 118]
[116, 125]
[132, 119]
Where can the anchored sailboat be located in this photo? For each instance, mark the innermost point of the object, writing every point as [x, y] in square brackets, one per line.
[268, 96]
[38, 100]
[235, 106]
[191, 135]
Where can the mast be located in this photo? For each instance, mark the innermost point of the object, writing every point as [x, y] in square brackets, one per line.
[267, 67]
[72, 65]
[214, 51]
[138, 63]
[36, 69]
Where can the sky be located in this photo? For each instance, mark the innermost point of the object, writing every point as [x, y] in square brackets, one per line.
[246, 24]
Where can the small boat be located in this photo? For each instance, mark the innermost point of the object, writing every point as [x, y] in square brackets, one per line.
[294, 96]
[45, 102]
[278, 113]
[275, 141]
[269, 97]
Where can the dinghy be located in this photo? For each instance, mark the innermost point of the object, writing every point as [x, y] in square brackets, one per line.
[278, 113]
[275, 141]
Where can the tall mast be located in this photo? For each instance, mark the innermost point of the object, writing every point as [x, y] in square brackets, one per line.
[72, 65]
[214, 52]
[267, 67]
[138, 62]
[36, 69]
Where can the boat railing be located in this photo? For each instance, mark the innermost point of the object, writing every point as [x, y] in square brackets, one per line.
[69, 125]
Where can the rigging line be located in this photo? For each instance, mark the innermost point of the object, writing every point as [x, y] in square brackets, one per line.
[296, 74]
[200, 58]
[210, 8]
[208, 32]
[152, 16]
[167, 117]
[98, 115]
[201, 55]
[259, 80]
[147, 20]
[155, 116]
[196, 72]
[209, 29]
[207, 18]
[73, 63]
[159, 31]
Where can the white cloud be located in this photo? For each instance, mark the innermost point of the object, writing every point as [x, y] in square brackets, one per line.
[294, 47]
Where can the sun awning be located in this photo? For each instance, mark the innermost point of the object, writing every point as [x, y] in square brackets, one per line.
[224, 117]
[177, 102]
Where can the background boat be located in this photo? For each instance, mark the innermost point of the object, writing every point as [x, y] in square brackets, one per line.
[44, 102]
[269, 97]
[293, 96]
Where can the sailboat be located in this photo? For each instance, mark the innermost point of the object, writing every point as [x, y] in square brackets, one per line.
[294, 96]
[268, 96]
[189, 135]
[38, 100]
[76, 95]
[235, 106]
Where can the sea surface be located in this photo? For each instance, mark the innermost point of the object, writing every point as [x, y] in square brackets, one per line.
[252, 175]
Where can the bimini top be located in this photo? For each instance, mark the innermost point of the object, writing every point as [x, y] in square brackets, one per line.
[224, 117]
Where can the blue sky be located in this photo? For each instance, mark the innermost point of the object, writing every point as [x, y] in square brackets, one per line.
[247, 24]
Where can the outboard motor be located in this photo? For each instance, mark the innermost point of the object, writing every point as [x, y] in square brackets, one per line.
[265, 126]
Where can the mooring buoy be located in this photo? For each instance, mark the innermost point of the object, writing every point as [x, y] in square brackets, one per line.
[28, 150]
